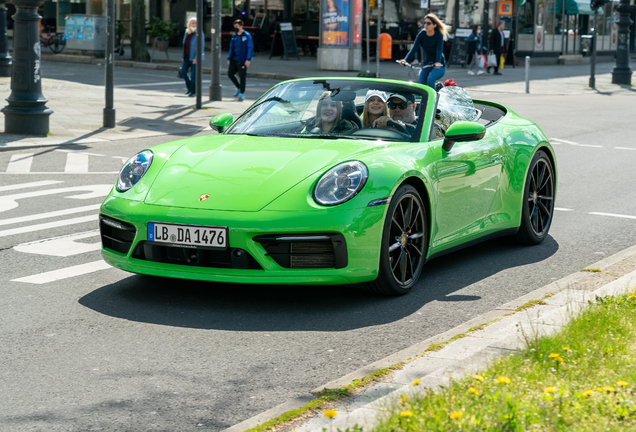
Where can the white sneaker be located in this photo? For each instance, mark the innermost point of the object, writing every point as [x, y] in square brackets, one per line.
[415, 62]
[481, 72]
[471, 72]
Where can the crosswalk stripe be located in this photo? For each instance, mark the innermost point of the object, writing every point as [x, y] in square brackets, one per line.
[20, 163]
[40, 227]
[62, 246]
[76, 163]
[613, 215]
[56, 213]
[64, 273]
[29, 185]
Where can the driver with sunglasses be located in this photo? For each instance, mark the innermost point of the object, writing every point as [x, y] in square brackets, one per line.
[401, 111]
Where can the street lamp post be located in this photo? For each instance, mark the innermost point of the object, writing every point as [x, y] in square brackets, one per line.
[27, 112]
[215, 65]
[5, 57]
[622, 73]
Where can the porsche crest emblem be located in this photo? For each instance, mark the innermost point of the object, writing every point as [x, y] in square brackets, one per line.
[204, 197]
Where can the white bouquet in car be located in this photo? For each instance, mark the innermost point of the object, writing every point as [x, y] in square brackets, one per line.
[454, 104]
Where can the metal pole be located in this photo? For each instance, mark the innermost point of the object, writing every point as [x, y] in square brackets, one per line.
[563, 29]
[199, 67]
[215, 66]
[5, 57]
[377, 42]
[593, 59]
[527, 74]
[109, 111]
[26, 112]
[622, 73]
[368, 36]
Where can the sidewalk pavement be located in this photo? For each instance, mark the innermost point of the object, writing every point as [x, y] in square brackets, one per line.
[504, 332]
[78, 109]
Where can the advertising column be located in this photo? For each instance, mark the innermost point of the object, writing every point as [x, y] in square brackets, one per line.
[340, 35]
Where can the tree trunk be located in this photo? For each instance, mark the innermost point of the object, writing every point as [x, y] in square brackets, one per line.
[138, 32]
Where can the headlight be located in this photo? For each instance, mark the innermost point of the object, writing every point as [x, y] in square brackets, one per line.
[341, 183]
[134, 170]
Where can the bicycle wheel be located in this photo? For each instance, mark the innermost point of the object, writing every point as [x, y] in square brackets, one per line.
[56, 44]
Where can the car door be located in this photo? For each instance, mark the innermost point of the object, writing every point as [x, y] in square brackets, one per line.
[467, 183]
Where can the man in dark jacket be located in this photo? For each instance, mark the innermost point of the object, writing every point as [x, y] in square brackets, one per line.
[239, 58]
[497, 44]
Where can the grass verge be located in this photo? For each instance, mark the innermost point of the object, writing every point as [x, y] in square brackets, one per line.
[581, 379]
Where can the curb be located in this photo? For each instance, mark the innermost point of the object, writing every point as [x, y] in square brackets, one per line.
[365, 407]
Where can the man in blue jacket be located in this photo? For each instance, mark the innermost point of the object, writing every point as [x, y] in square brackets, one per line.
[239, 58]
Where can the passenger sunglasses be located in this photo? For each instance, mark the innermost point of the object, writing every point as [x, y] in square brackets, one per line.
[401, 105]
[428, 23]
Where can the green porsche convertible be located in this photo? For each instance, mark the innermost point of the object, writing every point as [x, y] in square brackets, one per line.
[332, 181]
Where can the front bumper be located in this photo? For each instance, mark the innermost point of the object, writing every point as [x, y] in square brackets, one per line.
[360, 228]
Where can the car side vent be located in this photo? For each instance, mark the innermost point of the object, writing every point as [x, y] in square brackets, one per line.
[116, 235]
[306, 250]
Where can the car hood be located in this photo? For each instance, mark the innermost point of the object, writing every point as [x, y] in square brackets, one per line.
[243, 173]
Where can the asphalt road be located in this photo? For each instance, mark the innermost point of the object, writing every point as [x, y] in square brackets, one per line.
[107, 350]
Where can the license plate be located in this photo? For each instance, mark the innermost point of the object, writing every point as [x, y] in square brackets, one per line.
[188, 235]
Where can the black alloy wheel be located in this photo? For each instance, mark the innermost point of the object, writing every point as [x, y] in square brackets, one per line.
[538, 202]
[404, 244]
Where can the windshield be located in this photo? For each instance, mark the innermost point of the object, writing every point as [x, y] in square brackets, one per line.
[334, 109]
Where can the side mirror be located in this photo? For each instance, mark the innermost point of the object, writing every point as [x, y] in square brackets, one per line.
[220, 121]
[463, 131]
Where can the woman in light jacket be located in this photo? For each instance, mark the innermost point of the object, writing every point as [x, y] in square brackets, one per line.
[189, 64]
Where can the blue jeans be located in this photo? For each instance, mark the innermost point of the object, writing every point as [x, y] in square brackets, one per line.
[428, 76]
[189, 78]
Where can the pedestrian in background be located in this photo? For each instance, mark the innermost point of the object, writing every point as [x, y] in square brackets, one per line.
[474, 50]
[189, 63]
[497, 47]
[239, 58]
[431, 40]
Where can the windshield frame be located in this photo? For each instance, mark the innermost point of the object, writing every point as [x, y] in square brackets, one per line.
[348, 84]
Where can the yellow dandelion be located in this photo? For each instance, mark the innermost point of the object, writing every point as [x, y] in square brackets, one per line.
[503, 380]
[632, 297]
[566, 348]
[473, 390]
[609, 389]
[331, 413]
[559, 360]
[479, 377]
[554, 355]
[621, 383]
[406, 414]
[416, 382]
[587, 393]
[403, 399]
[599, 389]
[550, 389]
[456, 415]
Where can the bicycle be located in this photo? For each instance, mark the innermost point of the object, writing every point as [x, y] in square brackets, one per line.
[413, 71]
[55, 42]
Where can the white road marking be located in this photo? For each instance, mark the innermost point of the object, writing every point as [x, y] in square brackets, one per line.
[29, 185]
[166, 83]
[52, 214]
[40, 227]
[9, 202]
[76, 163]
[64, 273]
[74, 151]
[562, 209]
[624, 148]
[62, 246]
[574, 143]
[613, 215]
[20, 163]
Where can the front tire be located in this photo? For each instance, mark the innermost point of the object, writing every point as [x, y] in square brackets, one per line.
[404, 244]
[538, 201]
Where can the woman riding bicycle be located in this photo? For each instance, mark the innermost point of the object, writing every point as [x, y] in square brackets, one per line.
[431, 40]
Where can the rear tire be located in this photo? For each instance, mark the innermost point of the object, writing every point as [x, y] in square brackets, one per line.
[538, 201]
[56, 45]
[404, 244]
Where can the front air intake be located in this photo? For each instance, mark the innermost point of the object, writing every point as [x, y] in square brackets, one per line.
[306, 250]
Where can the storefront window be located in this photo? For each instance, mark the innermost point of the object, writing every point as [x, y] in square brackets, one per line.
[526, 17]
[469, 13]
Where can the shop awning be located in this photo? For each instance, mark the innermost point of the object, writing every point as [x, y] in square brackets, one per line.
[575, 7]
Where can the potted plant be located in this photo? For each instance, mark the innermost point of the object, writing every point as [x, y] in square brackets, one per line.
[166, 29]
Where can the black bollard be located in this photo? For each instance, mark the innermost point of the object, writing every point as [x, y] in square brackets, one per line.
[26, 113]
[5, 57]
[622, 73]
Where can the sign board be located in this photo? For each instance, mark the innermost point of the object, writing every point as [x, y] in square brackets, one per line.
[284, 43]
[423, 4]
[459, 50]
[335, 23]
[505, 7]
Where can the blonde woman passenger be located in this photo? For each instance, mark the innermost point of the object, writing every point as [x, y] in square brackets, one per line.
[374, 107]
